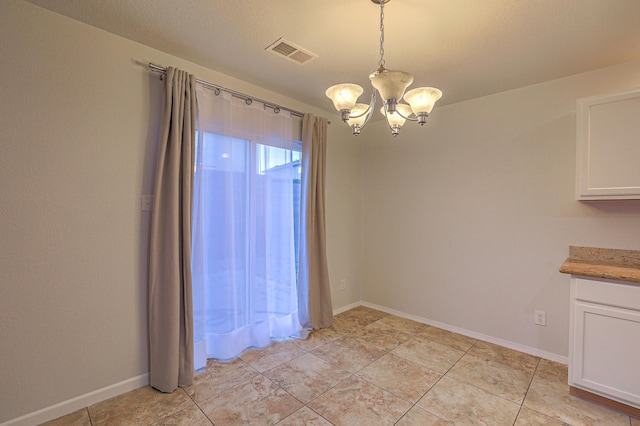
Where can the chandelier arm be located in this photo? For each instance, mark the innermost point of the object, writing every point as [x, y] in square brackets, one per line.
[406, 118]
[366, 111]
[371, 109]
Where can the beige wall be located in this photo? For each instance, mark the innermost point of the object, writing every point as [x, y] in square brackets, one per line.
[77, 150]
[466, 221]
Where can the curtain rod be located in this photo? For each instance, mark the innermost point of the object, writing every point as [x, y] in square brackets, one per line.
[248, 99]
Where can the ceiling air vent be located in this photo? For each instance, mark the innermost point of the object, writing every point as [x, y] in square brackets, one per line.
[291, 51]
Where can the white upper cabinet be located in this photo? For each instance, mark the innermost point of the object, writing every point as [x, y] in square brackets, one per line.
[608, 147]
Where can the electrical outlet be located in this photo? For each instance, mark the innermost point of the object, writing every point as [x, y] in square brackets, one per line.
[540, 318]
[343, 284]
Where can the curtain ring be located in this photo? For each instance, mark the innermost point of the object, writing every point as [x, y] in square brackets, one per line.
[217, 91]
[276, 110]
[248, 101]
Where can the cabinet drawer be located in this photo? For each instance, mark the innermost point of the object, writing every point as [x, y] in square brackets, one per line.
[621, 294]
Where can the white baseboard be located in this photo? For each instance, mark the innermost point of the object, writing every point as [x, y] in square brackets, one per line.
[82, 401]
[475, 335]
[348, 307]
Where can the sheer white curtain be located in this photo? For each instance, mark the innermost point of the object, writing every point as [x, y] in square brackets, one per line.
[246, 188]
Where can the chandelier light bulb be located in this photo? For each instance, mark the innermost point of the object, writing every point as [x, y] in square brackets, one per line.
[344, 96]
[395, 120]
[358, 117]
[422, 99]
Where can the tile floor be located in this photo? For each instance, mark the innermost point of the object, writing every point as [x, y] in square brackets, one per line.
[370, 369]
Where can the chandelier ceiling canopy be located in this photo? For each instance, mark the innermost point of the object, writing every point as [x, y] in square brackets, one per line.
[390, 86]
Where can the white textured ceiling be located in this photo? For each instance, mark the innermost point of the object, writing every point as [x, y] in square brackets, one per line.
[467, 48]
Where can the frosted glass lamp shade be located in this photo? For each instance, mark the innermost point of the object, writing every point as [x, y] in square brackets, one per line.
[422, 99]
[358, 109]
[395, 119]
[344, 96]
[390, 84]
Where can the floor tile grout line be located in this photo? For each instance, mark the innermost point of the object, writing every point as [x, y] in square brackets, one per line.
[355, 374]
[413, 405]
[470, 384]
[194, 403]
[89, 415]
[535, 371]
[461, 381]
[432, 386]
[204, 414]
[305, 405]
[332, 387]
[488, 391]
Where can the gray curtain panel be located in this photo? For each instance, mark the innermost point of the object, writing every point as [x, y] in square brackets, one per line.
[170, 302]
[315, 308]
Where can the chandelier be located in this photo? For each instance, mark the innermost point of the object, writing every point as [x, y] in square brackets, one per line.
[390, 85]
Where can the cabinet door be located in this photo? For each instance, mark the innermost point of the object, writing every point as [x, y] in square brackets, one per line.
[608, 147]
[606, 351]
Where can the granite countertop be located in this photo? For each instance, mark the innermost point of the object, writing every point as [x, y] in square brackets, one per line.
[613, 264]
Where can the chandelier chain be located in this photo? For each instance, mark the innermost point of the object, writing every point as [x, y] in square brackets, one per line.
[381, 61]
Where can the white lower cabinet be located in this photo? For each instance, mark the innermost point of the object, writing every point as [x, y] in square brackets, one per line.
[604, 351]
